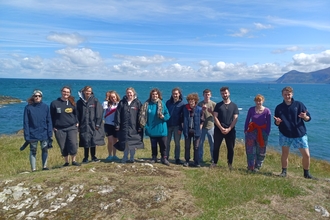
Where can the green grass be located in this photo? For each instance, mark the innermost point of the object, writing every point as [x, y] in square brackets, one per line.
[217, 193]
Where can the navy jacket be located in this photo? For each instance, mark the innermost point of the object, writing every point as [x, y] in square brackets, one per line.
[291, 126]
[37, 122]
[197, 121]
[176, 111]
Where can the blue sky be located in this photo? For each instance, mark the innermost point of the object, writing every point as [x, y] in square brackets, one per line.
[168, 40]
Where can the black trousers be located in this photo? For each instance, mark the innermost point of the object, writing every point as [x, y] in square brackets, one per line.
[161, 141]
[230, 139]
[92, 149]
[187, 146]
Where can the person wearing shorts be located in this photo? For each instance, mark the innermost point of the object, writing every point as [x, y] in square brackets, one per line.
[290, 117]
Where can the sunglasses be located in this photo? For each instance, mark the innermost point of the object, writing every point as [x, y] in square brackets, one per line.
[39, 96]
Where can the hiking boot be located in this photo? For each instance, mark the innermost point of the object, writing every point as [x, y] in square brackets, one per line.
[75, 163]
[213, 165]
[165, 162]
[283, 174]
[308, 176]
[130, 161]
[45, 168]
[95, 159]
[85, 160]
[186, 164]
[66, 164]
[178, 161]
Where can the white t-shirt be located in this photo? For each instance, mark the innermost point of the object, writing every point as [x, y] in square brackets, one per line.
[105, 105]
[110, 114]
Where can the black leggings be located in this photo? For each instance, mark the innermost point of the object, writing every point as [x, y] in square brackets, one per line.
[161, 141]
[86, 152]
[230, 142]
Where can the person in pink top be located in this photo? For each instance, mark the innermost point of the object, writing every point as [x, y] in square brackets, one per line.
[257, 129]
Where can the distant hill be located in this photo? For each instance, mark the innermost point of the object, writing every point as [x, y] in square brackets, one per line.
[319, 76]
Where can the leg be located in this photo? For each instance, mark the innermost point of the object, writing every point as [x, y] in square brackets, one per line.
[230, 142]
[162, 146]
[93, 152]
[196, 150]
[210, 137]
[201, 144]
[305, 158]
[285, 156]
[168, 142]
[71, 143]
[187, 143]
[110, 146]
[218, 137]
[132, 154]
[86, 153]
[177, 138]
[250, 148]
[33, 153]
[125, 156]
[261, 152]
[44, 155]
[154, 151]
[113, 141]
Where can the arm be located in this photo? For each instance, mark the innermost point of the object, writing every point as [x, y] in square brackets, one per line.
[166, 113]
[26, 125]
[268, 121]
[49, 123]
[99, 114]
[216, 121]
[247, 120]
[117, 115]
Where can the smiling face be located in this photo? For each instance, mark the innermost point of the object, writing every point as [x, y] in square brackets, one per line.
[192, 103]
[113, 98]
[37, 97]
[66, 93]
[207, 96]
[176, 95]
[287, 96]
[129, 95]
[88, 92]
[154, 96]
[225, 94]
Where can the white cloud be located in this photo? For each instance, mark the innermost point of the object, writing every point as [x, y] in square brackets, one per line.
[32, 63]
[303, 59]
[287, 49]
[241, 33]
[144, 61]
[81, 57]
[260, 26]
[67, 39]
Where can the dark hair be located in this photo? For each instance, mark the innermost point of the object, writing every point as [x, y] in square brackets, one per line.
[224, 88]
[70, 98]
[158, 92]
[206, 91]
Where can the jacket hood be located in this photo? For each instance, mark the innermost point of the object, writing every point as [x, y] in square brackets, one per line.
[82, 95]
[180, 98]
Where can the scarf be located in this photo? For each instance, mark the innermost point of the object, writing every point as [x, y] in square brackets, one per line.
[144, 111]
[252, 126]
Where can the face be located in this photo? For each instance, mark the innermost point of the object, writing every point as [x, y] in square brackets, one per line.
[175, 95]
[88, 92]
[287, 96]
[129, 95]
[37, 97]
[207, 96]
[259, 102]
[113, 97]
[154, 96]
[225, 94]
[65, 93]
[192, 103]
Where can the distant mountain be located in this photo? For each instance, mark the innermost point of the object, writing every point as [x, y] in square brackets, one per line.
[319, 76]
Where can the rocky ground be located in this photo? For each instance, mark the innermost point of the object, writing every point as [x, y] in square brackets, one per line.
[4, 100]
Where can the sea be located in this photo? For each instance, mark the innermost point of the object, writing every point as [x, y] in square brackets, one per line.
[316, 98]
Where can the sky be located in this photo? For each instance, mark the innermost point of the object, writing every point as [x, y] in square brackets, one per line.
[163, 40]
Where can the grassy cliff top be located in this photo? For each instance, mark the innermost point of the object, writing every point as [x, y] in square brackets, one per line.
[141, 190]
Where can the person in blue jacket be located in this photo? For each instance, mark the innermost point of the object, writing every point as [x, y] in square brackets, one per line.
[175, 107]
[38, 127]
[153, 117]
[192, 128]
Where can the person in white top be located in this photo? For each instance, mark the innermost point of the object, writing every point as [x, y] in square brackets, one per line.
[110, 106]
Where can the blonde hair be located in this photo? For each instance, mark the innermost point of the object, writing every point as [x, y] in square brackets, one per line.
[116, 94]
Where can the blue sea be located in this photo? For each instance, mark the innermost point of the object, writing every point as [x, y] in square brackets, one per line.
[314, 96]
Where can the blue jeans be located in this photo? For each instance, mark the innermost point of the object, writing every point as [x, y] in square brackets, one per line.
[33, 153]
[209, 133]
[126, 152]
[173, 131]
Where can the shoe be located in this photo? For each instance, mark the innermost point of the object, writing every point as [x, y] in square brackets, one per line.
[66, 164]
[283, 174]
[85, 160]
[165, 162]
[75, 163]
[256, 170]
[34, 170]
[115, 158]
[230, 167]
[178, 161]
[109, 158]
[308, 176]
[154, 159]
[45, 168]
[95, 159]
[130, 161]
[197, 165]
[213, 165]
[186, 164]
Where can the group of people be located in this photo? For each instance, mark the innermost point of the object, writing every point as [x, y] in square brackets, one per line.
[125, 121]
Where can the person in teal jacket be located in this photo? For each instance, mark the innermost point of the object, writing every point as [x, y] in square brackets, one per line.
[153, 117]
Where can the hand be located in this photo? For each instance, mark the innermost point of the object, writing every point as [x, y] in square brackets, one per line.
[179, 132]
[225, 130]
[160, 115]
[277, 120]
[97, 128]
[303, 115]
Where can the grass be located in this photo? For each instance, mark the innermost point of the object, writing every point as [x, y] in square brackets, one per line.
[187, 193]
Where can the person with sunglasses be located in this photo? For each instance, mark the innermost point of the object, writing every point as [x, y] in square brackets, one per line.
[38, 127]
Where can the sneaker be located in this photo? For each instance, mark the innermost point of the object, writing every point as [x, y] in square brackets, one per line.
[178, 161]
[95, 159]
[165, 162]
[85, 160]
[109, 158]
[186, 164]
[45, 168]
[213, 165]
[115, 158]
[283, 174]
[75, 163]
[66, 164]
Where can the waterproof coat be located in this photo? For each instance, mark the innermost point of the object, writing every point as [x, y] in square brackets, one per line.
[37, 122]
[197, 120]
[156, 127]
[127, 123]
[91, 129]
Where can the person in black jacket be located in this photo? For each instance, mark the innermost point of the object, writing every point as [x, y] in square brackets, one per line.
[90, 114]
[65, 125]
[130, 135]
[37, 127]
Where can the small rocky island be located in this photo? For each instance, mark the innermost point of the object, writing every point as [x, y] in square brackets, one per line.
[5, 100]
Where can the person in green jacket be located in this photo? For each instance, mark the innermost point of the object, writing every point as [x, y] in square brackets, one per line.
[153, 117]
